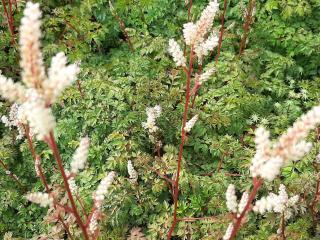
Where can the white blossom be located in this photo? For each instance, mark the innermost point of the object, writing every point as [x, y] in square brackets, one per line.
[72, 185]
[14, 92]
[43, 199]
[291, 146]
[176, 53]
[31, 62]
[103, 188]
[227, 235]
[231, 198]
[243, 202]
[80, 156]
[15, 119]
[93, 225]
[133, 174]
[41, 119]
[194, 33]
[204, 48]
[60, 76]
[189, 125]
[280, 203]
[206, 75]
[189, 33]
[152, 114]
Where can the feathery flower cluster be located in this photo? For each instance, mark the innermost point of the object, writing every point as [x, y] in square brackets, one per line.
[243, 202]
[232, 203]
[43, 199]
[37, 166]
[102, 189]
[72, 184]
[280, 203]
[152, 114]
[206, 75]
[191, 123]
[14, 119]
[41, 119]
[60, 76]
[39, 91]
[133, 174]
[269, 158]
[98, 197]
[10, 90]
[80, 156]
[194, 33]
[31, 57]
[227, 235]
[93, 225]
[231, 198]
[176, 53]
[204, 48]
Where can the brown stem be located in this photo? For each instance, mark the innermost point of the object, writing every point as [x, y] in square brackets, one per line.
[238, 220]
[9, 19]
[170, 181]
[225, 4]
[82, 205]
[183, 136]
[46, 186]
[246, 26]
[31, 147]
[283, 227]
[80, 88]
[189, 9]
[10, 174]
[313, 204]
[52, 144]
[122, 27]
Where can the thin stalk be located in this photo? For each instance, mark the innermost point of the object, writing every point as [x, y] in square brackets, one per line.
[31, 147]
[9, 20]
[189, 9]
[314, 203]
[183, 137]
[80, 88]
[46, 186]
[283, 227]
[238, 220]
[56, 153]
[246, 26]
[122, 26]
[225, 4]
[10, 174]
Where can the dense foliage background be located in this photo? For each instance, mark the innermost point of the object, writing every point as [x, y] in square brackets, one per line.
[272, 83]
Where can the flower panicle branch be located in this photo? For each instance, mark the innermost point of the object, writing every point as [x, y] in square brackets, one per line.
[271, 157]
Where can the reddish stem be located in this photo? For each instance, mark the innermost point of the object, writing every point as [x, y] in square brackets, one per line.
[183, 137]
[52, 144]
[189, 9]
[80, 88]
[238, 220]
[9, 19]
[122, 27]
[246, 26]
[31, 147]
[10, 174]
[225, 4]
[283, 227]
[82, 205]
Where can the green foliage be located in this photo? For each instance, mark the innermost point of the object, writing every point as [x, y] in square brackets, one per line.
[273, 83]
